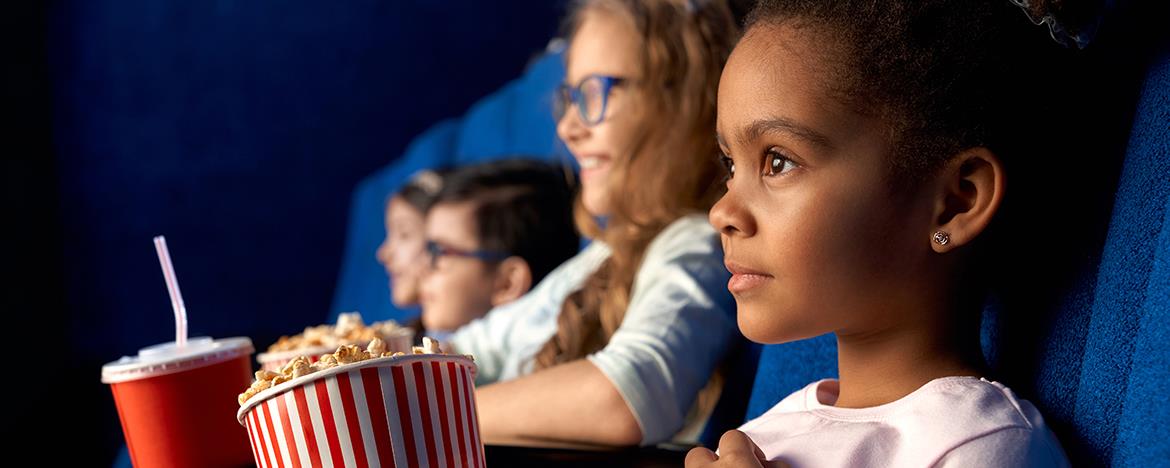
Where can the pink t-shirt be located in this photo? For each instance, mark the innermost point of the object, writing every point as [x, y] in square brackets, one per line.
[952, 421]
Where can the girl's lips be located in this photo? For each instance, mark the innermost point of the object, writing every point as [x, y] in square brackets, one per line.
[743, 278]
[743, 283]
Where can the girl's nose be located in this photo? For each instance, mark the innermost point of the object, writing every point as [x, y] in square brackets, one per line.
[730, 217]
[383, 253]
[570, 127]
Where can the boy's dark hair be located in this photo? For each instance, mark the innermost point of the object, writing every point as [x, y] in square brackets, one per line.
[937, 72]
[522, 207]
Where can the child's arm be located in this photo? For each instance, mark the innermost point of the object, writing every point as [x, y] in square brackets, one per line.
[536, 407]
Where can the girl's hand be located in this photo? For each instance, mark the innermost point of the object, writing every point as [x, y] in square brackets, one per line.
[735, 450]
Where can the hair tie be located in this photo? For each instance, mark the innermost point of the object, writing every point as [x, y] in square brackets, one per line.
[429, 181]
[1068, 35]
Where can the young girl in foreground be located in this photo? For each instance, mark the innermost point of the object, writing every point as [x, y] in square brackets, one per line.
[863, 165]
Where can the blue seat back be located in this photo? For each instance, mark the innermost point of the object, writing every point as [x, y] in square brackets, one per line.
[1119, 410]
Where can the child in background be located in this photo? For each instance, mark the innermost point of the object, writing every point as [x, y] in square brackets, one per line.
[403, 252]
[493, 232]
[865, 144]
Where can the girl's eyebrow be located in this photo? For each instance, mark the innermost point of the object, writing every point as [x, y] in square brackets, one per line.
[759, 128]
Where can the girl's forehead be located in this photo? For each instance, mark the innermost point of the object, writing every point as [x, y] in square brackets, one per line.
[784, 79]
[786, 56]
[398, 207]
[605, 43]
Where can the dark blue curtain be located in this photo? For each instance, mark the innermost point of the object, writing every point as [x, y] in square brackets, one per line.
[238, 129]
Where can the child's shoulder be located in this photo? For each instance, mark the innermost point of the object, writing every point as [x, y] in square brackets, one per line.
[984, 422]
[985, 402]
[945, 417]
[945, 398]
[685, 235]
[689, 243]
[689, 227]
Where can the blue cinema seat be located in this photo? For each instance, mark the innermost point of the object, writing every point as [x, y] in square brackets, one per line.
[1119, 411]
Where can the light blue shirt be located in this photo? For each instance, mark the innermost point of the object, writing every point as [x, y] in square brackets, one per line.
[678, 325]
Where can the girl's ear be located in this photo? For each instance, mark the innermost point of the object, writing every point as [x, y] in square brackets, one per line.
[513, 279]
[971, 187]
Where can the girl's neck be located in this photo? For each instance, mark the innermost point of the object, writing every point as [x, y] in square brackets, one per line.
[883, 366]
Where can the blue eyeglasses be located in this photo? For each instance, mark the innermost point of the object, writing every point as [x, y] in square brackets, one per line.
[591, 96]
[436, 250]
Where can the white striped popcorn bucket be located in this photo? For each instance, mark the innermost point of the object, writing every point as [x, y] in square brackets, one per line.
[276, 360]
[416, 410]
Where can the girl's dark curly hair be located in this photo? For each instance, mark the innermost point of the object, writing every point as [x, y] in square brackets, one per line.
[934, 71]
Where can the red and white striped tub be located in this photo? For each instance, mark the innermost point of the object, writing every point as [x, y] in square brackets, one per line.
[408, 411]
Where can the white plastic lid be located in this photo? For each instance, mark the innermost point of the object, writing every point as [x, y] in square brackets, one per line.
[166, 358]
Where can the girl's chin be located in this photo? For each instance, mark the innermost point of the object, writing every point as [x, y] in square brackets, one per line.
[596, 204]
[763, 326]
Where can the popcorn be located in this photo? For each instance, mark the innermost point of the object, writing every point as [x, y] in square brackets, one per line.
[263, 385]
[348, 323]
[317, 367]
[327, 360]
[300, 362]
[430, 346]
[300, 367]
[376, 347]
[350, 329]
[345, 354]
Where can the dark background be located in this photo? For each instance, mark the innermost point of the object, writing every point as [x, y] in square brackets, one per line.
[238, 130]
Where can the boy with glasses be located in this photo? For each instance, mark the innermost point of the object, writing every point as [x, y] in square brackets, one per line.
[493, 232]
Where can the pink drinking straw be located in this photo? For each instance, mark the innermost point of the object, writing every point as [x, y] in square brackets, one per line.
[164, 259]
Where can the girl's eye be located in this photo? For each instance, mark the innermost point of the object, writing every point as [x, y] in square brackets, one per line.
[776, 163]
[728, 165]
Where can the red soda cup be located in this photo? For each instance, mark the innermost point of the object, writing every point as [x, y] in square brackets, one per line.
[177, 404]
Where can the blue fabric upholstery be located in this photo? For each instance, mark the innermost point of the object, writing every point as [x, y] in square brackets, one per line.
[1120, 407]
[788, 367]
[517, 120]
[1103, 366]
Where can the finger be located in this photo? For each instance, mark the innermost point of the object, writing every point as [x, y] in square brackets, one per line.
[737, 442]
[760, 454]
[699, 457]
